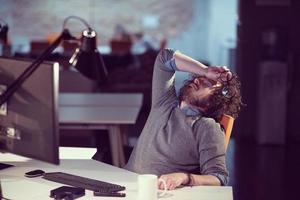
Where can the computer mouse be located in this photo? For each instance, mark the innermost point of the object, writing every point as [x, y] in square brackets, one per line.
[34, 173]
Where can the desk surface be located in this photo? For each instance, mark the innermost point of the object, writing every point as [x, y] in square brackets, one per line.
[99, 108]
[97, 115]
[15, 186]
[101, 99]
[108, 111]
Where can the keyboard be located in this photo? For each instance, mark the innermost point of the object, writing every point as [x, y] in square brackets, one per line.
[82, 182]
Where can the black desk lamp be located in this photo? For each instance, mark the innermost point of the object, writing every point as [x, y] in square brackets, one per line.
[87, 59]
[3, 38]
[3, 32]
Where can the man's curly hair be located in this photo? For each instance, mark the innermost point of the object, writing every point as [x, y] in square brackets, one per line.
[225, 99]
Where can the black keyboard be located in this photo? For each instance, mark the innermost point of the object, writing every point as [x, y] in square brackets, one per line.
[82, 182]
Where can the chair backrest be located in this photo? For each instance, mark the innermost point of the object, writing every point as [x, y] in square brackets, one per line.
[227, 123]
[120, 46]
[37, 47]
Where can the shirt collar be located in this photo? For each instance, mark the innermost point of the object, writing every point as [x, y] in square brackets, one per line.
[190, 111]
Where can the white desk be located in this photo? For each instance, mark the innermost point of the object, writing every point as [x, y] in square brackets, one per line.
[15, 186]
[101, 99]
[101, 111]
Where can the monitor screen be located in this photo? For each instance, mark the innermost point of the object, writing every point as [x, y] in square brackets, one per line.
[29, 119]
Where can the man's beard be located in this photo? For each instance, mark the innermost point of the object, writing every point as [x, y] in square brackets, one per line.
[187, 94]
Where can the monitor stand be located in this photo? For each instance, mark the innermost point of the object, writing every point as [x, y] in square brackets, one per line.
[4, 166]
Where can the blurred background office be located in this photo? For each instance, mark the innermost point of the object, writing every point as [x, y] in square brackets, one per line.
[258, 39]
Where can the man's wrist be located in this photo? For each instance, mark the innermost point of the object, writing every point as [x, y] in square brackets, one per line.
[188, 180]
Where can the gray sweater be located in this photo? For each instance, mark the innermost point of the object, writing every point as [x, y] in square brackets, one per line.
[171, 141]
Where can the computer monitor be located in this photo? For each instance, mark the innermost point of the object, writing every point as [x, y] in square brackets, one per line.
[29, 120]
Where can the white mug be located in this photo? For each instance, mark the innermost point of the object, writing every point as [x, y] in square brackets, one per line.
[148, 187]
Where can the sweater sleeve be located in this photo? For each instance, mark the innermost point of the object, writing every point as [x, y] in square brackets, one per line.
[163, 88]
[212, 150]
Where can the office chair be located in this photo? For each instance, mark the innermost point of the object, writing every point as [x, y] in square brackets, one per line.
[227, 124]
[120, 46]
[38, 46]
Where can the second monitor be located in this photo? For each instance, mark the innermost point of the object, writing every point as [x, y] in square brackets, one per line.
[29, 119]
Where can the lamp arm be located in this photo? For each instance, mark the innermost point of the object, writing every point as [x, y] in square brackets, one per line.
[11, 89]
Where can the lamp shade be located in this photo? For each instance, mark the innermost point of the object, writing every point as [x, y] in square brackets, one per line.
[3, 33]
[87, 59]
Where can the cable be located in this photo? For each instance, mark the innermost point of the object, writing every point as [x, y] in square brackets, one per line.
[75, 17]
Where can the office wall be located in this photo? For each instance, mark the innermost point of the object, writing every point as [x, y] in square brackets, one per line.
[203, 29]
[212, 32]
[34, 19]
[194, 39]
[222, 31]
